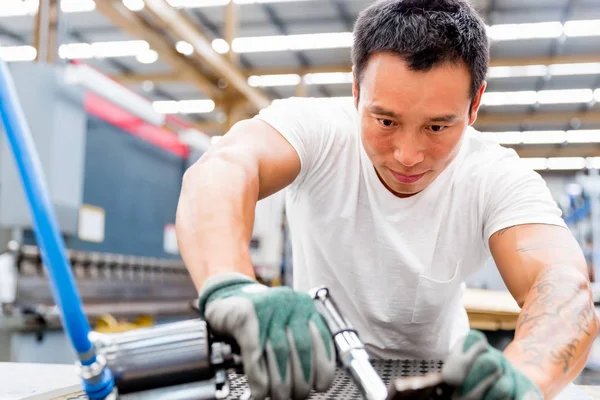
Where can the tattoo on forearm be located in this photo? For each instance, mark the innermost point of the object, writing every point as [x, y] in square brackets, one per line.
[556, 322]
[503, 231]
[565, 355]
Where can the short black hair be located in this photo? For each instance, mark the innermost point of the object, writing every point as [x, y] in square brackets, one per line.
[425, 33]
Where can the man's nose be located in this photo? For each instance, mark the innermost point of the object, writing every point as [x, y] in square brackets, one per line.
[408, 151]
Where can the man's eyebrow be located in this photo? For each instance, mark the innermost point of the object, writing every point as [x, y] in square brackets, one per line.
[382, 111]
[444, 118]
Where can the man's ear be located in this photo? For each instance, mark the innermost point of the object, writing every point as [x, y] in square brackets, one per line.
[355, 88]
[477, 103]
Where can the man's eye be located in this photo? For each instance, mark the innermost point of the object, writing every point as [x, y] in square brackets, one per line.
[437, 128]
[385, 122]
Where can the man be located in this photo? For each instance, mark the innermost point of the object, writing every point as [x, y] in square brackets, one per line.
[392, 201]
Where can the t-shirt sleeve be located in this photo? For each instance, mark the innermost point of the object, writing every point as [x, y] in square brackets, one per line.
[305, 124]
[515, 195]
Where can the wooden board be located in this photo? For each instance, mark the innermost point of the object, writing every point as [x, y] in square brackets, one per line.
[491, 310]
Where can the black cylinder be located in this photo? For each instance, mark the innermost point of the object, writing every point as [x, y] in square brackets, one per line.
[159, 356]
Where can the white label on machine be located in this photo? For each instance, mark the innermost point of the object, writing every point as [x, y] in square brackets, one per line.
[170, 239]
[91, 223]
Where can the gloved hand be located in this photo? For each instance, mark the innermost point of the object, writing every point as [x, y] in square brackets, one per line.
[481, 372]
[286, 346]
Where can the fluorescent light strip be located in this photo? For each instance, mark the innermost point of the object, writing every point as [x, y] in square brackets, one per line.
[561, 163]
[325, 78]
[221, 3]
[565, 96]
[184, 106]
[310, 41]
[128, 48]
[546, 137]
[582, 28]
[517, 71]
[506, 98]
[18, 8]
[539, 30]
[328, 78]
[535, 163]
[18, 53]
[274, 80]
[566, 163]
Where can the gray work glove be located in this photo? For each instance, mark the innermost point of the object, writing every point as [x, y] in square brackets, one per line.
[482, 372]
[286, 346]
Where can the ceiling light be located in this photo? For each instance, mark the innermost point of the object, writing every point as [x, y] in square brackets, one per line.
[566, 163]
[220, 46]
[197, 3]
[166, 107]
[218, 3]
[565, 96]
[75, 51]
[196, 106]
[582, 28]
[508, 98]
[134, 5]
[18, 53]
[583, 136]
[506, 137]
[292, 42]
[525, 31]
[274, 80]
[14, 8]
[543, 137]
[537, 163]
[517, 71]
[184, 48]
[18, 8]
[73, 6]
[328, 78]
[126, 48]
[574, 69]
[147, 57]
[184, 106]
[264, 1]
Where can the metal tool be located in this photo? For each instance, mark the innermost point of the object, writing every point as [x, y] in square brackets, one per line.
[350, 350]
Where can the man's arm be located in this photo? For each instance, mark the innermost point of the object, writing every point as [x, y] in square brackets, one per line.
[215, 214]
[546, 272]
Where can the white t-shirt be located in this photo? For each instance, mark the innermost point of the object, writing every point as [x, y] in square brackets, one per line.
[395, 266]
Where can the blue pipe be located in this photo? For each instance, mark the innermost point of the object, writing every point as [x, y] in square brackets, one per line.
[44, 224]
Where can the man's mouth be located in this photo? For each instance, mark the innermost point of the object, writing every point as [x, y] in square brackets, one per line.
[407, 179]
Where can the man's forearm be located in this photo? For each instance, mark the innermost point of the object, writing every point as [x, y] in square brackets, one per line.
[215, 217]
[555, 330]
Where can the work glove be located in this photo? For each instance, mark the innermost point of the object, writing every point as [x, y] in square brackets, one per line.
[481, 372]
[286, 346]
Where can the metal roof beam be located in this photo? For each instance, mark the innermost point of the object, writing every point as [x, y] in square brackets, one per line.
[184, 29]
[133, 24]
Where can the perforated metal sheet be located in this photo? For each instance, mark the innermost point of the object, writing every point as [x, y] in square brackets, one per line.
[343, 388]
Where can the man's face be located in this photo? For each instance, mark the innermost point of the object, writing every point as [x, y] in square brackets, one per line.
[412, 122]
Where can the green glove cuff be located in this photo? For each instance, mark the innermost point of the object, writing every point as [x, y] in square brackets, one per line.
[217, 282]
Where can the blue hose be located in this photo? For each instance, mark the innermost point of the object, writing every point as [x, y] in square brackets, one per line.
[44, 224]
